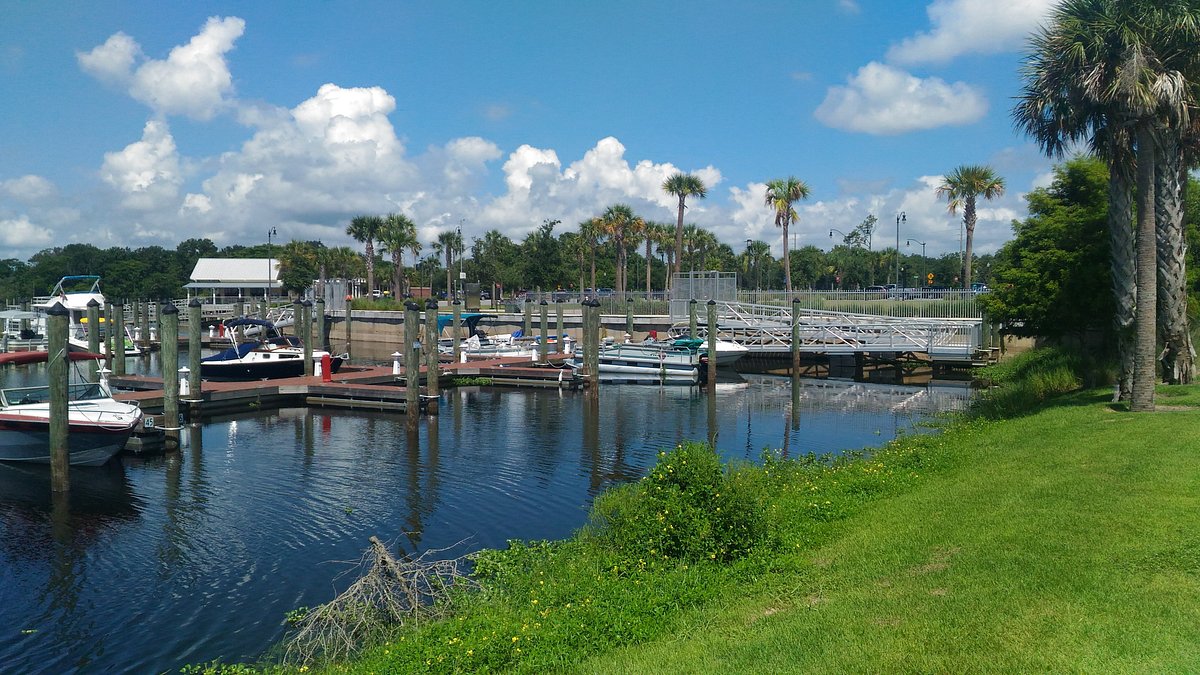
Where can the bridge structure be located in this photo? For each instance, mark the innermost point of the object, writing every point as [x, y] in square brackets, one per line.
[836, 322]
[768, 329]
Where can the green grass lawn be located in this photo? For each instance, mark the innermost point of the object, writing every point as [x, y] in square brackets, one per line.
[1065, 541]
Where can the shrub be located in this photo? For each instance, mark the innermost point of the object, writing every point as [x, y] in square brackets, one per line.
[689, 507]
[1022, 383]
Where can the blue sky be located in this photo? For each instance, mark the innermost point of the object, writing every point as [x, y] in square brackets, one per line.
[147, 123]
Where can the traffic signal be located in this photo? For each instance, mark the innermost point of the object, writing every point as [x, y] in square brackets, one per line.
[929, 279]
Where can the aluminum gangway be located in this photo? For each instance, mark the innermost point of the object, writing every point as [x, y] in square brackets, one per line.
[767, 329]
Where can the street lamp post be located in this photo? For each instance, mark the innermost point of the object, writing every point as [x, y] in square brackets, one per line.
[899, 219]
[909, 242]
[267, 287]
[462, 276]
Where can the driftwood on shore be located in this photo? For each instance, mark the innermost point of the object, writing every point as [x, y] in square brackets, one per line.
[389, 593]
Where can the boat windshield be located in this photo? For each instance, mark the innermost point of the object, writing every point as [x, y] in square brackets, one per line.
[79, 391]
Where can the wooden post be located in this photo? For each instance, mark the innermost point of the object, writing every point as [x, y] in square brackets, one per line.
[322, 336]
[239, 307]
[558, 336]
[108, 334]
[116, 328]
[629, 317]
[194, 332]
[431, 350]
[712, 343]
[412, 359]
[457, 339]
[93, 332]
[145, 317]
[591, 353]
[349, 320]
[168, 320]
[306, 336]
[795, 337]
[57, 318]
[692, 318]
[544, 345]
[528, 308]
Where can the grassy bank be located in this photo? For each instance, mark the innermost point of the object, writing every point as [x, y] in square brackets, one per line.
[1063, 537]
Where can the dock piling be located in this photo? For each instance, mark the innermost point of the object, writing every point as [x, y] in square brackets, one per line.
[692, 318]
[559, 334]
[412, 357]
[93, 333]
[194, 331]
[712, 344]
[306, 336]
[57, 317]
[322, 335]
[116, 327]
[431, 350]
[168, 317]
[795, 337]
[629, 317]
[457, 339]
[544, 343]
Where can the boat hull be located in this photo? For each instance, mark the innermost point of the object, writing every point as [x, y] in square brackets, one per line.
[244, 370]
[24, 440]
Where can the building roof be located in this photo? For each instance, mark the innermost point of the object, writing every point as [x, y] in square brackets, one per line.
[235, 273]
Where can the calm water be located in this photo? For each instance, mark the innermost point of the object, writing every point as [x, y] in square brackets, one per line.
[153, 563]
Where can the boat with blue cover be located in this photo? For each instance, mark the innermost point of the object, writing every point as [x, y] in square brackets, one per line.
[267, 355]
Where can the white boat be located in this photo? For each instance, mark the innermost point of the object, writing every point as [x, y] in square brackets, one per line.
[98, 425]
[267, 356]
[728, 352]
[74, 293]
[644, 363]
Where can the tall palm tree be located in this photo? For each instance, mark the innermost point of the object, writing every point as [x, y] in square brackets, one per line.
[365, 230]
[961, 188]
[590, 233]
[1122, 66]
[782, 193]
[399, 235]
[448, 244]
[683, 185]
[655, 233]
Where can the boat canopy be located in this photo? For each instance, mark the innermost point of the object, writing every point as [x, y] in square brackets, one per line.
[248, 321]
[471, 321]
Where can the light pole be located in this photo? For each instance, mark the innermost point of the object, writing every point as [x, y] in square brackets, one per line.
[909, 242]
[267, 287]
[462, 276]
[899, 219]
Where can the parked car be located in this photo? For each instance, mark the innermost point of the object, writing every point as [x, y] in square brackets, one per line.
[978, 287]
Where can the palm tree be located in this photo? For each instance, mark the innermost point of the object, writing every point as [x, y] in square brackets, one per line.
[1115, 67]
[590, 233]
[399, 234]
[621, 227]
[781, 194]
[655, 233]
[961, 188]
[683, 185]
[365, 230]
[447, 245]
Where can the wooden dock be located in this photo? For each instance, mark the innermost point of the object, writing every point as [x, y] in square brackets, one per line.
[352, 387]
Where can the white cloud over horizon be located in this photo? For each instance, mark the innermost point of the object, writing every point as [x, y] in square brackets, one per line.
[961, 27]
[884, 100]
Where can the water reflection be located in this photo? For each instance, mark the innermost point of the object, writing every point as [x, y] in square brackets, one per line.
[221, 538]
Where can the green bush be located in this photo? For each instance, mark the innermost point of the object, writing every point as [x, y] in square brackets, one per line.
[689, 507]
[1020, 384]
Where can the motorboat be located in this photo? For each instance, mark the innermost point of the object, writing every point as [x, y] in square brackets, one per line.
[97, 425]
[728, 352]
[74, 292]
[267, 355]
[644, 363]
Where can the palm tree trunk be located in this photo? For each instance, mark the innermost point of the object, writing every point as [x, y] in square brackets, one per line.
[787, 261]
[1144, 371]
[370, 267]
[1123, 267]
[969, 218]
[1178, 355]
[679, 234]
[648, 242]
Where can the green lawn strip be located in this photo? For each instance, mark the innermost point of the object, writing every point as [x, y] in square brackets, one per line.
[1065, 540]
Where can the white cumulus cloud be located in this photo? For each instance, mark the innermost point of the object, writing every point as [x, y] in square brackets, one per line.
[19, 233]
[145, 173]
[194, 80]
[971, 27]
[28, 188]
[881, 99]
